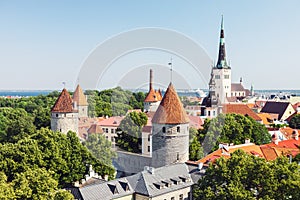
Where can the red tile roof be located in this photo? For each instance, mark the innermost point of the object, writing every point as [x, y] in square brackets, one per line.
[153, 96]
[95, 128]
[242, 109]
[63, 103]
[196, 122]
[111, 121]
[79, 97]
[170, 110]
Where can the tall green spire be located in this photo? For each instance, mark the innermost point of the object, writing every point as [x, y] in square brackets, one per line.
[222, 63]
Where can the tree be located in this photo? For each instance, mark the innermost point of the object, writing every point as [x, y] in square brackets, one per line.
[6, 189]
[100, 147]
[15, 124]
[295, 121]
[34, 184]
[195, 150]
[245, 176]
[130, 131]
[231, 128]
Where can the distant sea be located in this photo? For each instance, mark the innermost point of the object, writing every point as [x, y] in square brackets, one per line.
[20, 93]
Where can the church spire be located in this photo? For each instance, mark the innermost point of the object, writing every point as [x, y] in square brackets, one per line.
[222, 63]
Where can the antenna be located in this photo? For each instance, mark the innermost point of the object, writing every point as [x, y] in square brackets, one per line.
[171, 69]
[64, 83]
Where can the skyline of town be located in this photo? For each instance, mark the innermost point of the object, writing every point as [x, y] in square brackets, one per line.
[51, 48]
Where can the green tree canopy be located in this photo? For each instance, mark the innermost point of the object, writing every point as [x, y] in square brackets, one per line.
[100, 147]
[295, 121]
[245, 176]
[231, 128]
[130, 131]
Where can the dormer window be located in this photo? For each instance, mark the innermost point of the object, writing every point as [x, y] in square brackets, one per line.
[124, 185]
[159, 185]
[168, 183]
[176, 180]
[113, 188]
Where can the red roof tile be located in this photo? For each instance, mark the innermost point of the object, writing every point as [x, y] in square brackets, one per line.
[242, 109]
[170, 110]
[63, 103]
[153, 96]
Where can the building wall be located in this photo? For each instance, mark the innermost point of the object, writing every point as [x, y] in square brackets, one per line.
[222, 79]
[146, 143]
[128, 197]
[82, 111]
[64, 122]
[185, 192]
[169, 146]
[289, 111]
[110, 133]
[131, 163]
[238, 93]
[151, 106]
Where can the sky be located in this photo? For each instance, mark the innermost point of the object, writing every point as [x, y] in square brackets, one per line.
[46, 43]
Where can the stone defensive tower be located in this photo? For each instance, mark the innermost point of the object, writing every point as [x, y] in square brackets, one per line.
[170, 131]
[64, 117]
[80, 102]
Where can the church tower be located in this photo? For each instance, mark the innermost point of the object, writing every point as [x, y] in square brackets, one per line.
[153, 97]
[64, 117]
[221, 73]
[170, 131]
[80, 102]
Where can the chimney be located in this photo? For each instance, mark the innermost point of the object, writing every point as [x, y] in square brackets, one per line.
[241, 80]
[151, 170]
[295, 135]
[151, 79]
[275, 138]
[200, 166]
[247, 141]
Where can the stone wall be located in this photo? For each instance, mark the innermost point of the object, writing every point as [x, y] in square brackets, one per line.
[64, 122]
[169, 146]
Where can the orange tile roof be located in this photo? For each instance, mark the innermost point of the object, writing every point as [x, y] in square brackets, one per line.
[242, 109]
[95, 128]
[196, 122]
[79, 97]
[170, 110]
[63, 103]
[153, 96]
[266, 117]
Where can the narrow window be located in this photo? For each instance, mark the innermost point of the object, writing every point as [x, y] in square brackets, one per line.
[178, 129]
[148, 148]
[177, 155]
[164, 129]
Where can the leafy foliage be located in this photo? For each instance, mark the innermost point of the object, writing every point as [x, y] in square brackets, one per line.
[231, 128]
[245, 176]
[295, 121]
[130, 131]
[100, 147]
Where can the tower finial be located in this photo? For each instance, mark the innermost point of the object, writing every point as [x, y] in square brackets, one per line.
[222, 54]
[171, 69]
[64, 83]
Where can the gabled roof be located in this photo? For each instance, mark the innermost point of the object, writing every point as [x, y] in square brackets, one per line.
[111, 121]
[95, 128]
[79, 97]
[146, 182]
[275, 107]
[63, 103]
[242, 109]
[153, 96]
[237, 87]
[170, 110]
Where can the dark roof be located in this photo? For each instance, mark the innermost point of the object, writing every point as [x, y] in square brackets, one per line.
[275, 107]
[64, 103]
[170, 110]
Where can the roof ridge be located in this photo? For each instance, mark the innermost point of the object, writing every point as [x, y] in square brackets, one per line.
[170, 110]
[64, 103]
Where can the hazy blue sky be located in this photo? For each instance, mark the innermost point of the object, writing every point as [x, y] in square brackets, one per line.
[43, 43]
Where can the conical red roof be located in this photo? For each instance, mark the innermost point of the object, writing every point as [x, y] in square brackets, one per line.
[79, 97]
[64, 103]
[170, 110]
[153, 96]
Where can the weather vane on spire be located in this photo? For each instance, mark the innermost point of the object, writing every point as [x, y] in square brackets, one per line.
[171, 69]
[64, 83]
